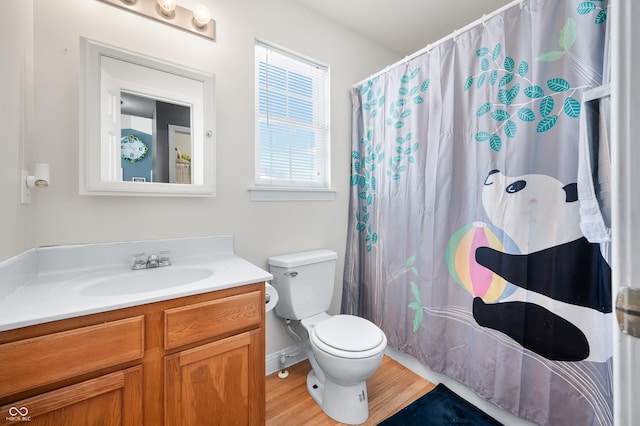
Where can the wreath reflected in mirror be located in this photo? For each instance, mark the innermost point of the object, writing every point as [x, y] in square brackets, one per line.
[132, 148]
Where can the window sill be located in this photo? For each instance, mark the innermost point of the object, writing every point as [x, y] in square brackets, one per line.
[291, 194]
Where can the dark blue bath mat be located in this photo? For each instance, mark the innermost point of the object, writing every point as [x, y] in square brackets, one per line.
[440, 407]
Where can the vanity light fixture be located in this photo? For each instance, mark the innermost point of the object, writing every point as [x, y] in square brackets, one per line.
[169, 12]
[40, 179]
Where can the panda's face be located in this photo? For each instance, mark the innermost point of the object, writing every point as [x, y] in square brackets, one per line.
[531, 209]
[521, 197]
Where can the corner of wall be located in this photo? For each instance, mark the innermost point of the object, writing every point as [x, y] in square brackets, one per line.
[17, 25]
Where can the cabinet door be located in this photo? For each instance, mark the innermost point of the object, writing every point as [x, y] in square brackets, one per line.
[113, 399]
[220, 383]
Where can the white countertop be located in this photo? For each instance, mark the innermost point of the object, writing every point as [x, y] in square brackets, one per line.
[63, 293]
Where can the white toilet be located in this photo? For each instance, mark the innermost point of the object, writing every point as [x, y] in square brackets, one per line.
[344, 350]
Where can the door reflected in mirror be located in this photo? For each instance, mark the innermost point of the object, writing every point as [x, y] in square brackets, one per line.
[148, 125]
[180, 161]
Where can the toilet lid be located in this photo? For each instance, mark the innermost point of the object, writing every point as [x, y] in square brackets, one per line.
[349, 333]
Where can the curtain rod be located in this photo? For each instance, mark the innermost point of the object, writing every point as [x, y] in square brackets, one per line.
[430, 46]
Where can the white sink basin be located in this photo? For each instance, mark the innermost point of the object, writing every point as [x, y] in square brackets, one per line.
[145, 280]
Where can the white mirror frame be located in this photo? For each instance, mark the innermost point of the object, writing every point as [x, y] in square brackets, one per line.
[92, 148]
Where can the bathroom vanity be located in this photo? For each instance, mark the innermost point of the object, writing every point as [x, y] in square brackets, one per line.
[190, 354]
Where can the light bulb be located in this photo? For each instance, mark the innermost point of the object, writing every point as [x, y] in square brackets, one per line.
[201, 16]
[167, 6]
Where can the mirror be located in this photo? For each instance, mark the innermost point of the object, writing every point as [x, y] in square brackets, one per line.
[147, 126]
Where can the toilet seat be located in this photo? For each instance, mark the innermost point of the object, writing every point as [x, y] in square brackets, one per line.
[348, 336]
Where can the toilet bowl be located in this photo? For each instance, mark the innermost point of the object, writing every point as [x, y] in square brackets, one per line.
[346, 351]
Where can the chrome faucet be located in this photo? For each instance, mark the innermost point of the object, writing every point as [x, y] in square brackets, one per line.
[153, 261]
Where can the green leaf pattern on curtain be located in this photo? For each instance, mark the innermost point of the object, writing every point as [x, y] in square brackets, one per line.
[364, 178]
[518, 95]
[365, 162]
[587, 7]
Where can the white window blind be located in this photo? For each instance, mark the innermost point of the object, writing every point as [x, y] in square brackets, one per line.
[292, 120]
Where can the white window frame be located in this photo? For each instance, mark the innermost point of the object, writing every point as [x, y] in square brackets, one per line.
[268, 188]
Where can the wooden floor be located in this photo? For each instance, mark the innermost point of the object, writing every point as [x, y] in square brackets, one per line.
[390, 389]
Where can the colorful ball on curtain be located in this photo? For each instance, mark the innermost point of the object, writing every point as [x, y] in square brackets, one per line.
[469, 274]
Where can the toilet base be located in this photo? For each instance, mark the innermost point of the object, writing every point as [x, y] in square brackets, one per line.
[345, 404]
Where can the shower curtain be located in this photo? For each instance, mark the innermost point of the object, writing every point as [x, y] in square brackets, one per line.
[464, 241]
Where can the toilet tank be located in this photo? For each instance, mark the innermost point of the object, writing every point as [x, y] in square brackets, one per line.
[304, 282]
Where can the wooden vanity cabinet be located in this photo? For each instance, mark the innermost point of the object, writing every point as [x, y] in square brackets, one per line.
[188, 361]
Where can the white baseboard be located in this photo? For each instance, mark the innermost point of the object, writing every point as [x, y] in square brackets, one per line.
[273, 360]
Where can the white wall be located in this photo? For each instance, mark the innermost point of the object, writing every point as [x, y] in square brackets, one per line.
[16, 116]
[58, 215]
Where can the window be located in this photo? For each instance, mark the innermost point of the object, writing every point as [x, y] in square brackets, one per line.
[292, 121]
